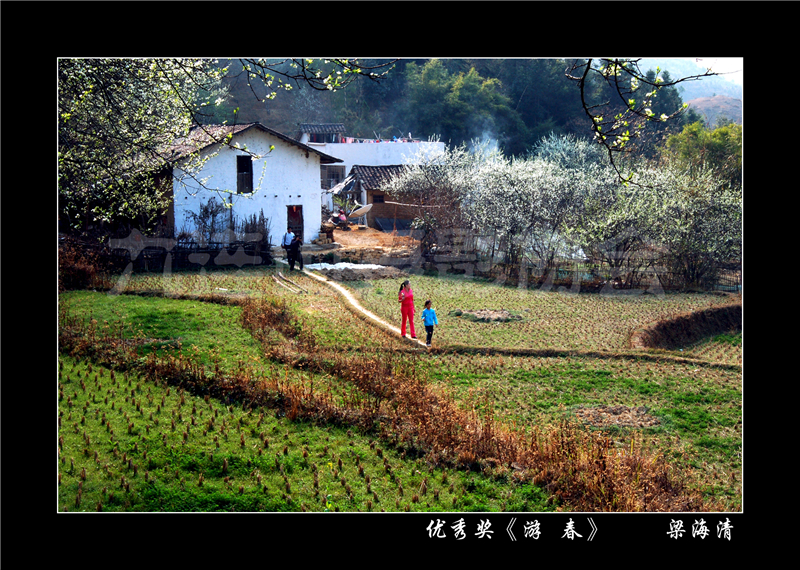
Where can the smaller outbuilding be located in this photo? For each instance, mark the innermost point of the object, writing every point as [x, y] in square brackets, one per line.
[366, 185]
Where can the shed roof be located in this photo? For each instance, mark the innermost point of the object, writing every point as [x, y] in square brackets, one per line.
[375, 177]
[322, 128]
[204, 136]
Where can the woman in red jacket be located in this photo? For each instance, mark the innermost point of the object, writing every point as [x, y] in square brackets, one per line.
[406, 298]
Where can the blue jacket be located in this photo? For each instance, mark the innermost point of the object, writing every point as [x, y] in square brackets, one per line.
[429, 317]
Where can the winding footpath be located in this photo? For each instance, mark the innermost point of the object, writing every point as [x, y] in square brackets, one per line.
[355, 305]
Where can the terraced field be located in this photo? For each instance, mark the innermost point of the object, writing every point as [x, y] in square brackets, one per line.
[325, 385]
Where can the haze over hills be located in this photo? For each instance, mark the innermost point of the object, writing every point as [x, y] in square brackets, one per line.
[713, 108]
[712, 97]
[529, 99]
[694, 89]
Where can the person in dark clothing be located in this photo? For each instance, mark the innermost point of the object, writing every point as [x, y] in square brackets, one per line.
[286, 241]
[294, 254]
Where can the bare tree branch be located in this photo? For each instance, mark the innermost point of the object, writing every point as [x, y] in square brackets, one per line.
[616, 124]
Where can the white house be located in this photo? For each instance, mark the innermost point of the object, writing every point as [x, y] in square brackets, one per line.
[257, 169]
[330, 138]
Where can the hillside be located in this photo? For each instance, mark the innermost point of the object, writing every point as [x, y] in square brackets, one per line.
[536, 97]
[712, 108]
[705, 87]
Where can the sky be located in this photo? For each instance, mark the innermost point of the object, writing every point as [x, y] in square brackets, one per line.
[734, 65]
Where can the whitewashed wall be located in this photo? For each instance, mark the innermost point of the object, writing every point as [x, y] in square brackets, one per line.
[284, 177]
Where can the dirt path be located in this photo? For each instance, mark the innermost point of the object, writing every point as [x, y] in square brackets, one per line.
[350, 298]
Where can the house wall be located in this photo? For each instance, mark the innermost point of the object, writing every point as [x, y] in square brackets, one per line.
[376, 154]
[387, 210]
[284, 177]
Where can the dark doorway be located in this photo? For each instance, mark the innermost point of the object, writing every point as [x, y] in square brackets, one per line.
[294, 220]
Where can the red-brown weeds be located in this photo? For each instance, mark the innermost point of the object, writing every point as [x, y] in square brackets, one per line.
[81, 266]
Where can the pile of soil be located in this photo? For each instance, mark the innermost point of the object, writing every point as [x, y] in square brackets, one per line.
[351, 272]
[486, 315]
[621, 416]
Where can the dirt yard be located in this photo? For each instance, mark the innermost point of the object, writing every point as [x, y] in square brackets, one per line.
[371, 237]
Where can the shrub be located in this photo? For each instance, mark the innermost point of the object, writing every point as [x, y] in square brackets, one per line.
[81, 266]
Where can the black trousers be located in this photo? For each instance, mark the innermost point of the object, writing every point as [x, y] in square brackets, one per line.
[294, 257]
[428, 334]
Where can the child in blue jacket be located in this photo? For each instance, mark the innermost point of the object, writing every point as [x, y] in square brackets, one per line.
[429, 319]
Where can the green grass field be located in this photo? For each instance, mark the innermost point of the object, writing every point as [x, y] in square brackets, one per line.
[130, 445]
[135, 441]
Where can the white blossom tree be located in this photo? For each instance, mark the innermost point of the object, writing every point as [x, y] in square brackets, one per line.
[700, 225]
[564, 198]
[439, 185]
[119, 117]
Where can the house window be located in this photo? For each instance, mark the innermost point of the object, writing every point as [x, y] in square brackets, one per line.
[377, 198]
[324, 137]
[244, 174]
[330, 175]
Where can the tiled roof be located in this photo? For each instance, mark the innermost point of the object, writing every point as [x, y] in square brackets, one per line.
[322, 128]
[202, 136]
[375, 177]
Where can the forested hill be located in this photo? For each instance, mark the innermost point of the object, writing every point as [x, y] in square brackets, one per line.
[513, 102]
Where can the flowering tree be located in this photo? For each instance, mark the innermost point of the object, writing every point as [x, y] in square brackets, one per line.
[618, 98]
[518, 206]
[689, 223]
[118, 120]
[527, 202]
[578, 177]
[565, 198]
[700, 225]
[438, 185]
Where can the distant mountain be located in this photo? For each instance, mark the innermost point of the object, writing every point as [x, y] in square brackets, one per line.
[695, 89]
[711, 108]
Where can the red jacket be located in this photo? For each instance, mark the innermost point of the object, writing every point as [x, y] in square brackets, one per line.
[406, 298]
